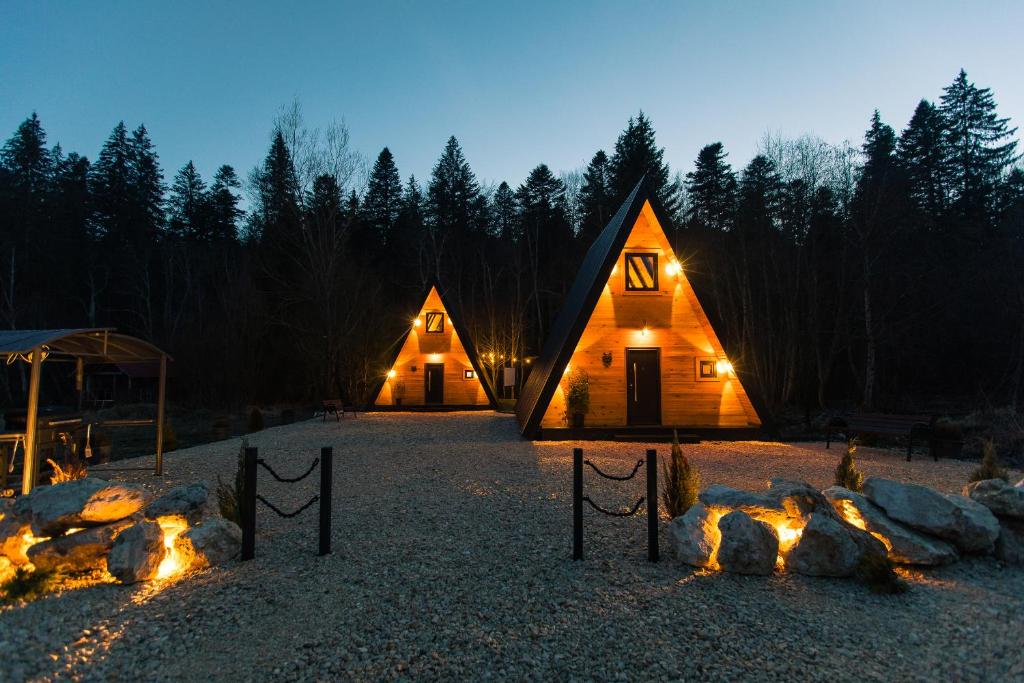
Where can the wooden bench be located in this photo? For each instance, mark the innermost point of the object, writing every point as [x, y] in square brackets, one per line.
[338, 407]
[876, 424]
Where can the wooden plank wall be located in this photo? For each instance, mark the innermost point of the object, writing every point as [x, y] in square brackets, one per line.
[421, 348]
[675, 324]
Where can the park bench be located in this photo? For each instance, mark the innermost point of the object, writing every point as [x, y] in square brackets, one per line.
[875, 424]
[338, 407]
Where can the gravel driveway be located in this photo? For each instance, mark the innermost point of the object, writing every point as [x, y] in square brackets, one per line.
[452, 542]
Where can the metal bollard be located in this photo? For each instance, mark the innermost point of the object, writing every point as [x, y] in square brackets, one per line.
[652, 505]
[577, 503]
[248, 504]
[326, 472]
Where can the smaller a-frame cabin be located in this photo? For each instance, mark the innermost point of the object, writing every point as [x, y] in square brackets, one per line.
[434, 366]
[633, 324]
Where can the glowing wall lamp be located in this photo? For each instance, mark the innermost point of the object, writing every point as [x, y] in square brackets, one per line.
[391, 373]
[672, 268]
[417, 322]
[724, 368]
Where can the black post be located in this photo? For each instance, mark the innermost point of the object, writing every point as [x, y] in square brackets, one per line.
[326, 471]
[248, 504]
[577, 503]
[652, 505]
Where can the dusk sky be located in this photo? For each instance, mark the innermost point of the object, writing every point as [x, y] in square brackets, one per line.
[517, 83]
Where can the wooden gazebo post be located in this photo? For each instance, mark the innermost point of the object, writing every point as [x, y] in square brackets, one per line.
[28, 476]
[160, 406]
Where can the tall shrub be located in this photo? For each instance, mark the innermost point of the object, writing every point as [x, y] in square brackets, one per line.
[682, 481]
[847, 474]
[990, 466]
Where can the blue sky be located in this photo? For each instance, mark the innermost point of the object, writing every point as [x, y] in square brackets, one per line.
[517, 83]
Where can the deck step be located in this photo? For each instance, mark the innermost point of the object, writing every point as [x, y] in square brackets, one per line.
[655, 437]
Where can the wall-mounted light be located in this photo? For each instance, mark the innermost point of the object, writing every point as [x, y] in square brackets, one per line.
[435, 357]
[643, 330]
[724, 367]
[391, 373]
[417, 322]
[673, 268]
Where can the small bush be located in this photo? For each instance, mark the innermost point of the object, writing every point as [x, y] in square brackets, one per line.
[29, 584]
[75, 469]
[877, 573]
[847, 474]
[990, 467]
[682, 481]
[229, 496]
[255, 421]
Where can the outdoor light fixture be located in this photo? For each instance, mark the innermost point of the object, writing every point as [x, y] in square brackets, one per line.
[724, 367]
[391, 373]
[643, 331]
[417, 322]
[672, 268]
[434, 357]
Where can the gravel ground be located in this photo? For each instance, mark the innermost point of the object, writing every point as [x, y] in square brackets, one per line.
[451, 560]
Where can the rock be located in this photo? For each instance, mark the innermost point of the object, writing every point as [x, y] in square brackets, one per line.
[137, 553]
[998, 496]
[694, 536]
[798, 498]
[1010, 544]
[725, 499]
[12, 539]
[80, 551]
[212, 542]
[904, 545]
[970, 526]
[82, 503]
[6, 570]
[749, 546]
[192, 502]
[827, 547]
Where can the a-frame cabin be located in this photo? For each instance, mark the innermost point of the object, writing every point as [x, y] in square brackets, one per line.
[434, 366]
[633, 323]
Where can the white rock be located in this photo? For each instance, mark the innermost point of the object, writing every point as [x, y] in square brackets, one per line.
[82, 502]
[749, 546]
[80, 551]
[192, 502]
[998, 496]
[829, 548]
[213, 542]
[1010, 544]
[137, 553]
[970, 526]
[905, 546]
[694, 536]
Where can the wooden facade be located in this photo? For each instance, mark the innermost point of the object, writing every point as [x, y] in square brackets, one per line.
[640, 334]
[436, 366]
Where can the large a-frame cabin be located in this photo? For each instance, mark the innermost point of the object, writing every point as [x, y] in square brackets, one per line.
[434, 366]
[633, 322]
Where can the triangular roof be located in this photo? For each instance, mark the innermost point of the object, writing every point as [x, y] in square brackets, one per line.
[467, 344]
[579, 306]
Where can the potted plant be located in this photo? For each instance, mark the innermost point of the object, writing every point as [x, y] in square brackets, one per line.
[399, 392]
[577, 397]
[947, 439]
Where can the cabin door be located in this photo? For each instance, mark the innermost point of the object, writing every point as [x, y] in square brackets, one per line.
[643, 386]
[433, 379]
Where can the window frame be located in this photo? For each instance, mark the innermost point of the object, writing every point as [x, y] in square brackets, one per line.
[640, 255]
[426, 322]
[700, 361]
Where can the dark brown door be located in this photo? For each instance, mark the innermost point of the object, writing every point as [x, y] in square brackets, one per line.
[434, 379]
[643, 387]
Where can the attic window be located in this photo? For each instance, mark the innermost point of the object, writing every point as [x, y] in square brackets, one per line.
[435, 322]
[641, 272]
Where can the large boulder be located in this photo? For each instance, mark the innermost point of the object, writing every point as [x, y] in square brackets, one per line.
[1010, 544]
[827, 547]
[749, 546]
[52, 510]
[213, 542]
[970, 526]
[798, 498]
[137, 553]
[191, 502]
[79, 551]
[13, 543]
[694, 536]
[905, 546]
[998, 496]
[725, 499]
[7, 569]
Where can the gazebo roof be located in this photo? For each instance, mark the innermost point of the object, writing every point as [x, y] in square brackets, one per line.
[97, 345]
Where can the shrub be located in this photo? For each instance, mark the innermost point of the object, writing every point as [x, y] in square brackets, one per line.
[229, 496]
[75, 469]
[682, 481]
[876, 571]
[577, 394]
[255, 421]
[28, 584]
[847, 474]
[990, 467]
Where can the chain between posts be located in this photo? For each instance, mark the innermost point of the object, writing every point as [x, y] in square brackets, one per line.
[286, 514]
[639, 464]
[629, 513]
[281, 479]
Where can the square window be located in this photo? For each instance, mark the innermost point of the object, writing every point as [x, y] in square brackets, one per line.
[641, 272]
[468, 374]
[435, 322]
[707, 369]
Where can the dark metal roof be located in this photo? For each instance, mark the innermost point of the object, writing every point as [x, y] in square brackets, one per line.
[467, 344]
[579, 305]
[95, 345]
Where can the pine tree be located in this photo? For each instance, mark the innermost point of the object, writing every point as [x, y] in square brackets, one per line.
[847, 475]
[636, 155]
[110, 182]
[597, 198]
[980, 144]
[922, 153]
[452, 192]
[504, 213]
[760, 197]
[277, 212]
[146, 187]
[681, 481]
[28, 161]
[224, 213]
[187, 206]
[711, 188]
[382, 202]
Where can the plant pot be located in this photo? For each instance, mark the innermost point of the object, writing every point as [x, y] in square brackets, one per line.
[577, 420]
[946, 448]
